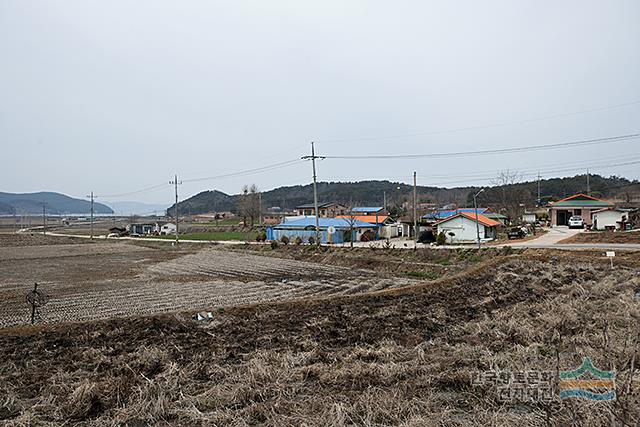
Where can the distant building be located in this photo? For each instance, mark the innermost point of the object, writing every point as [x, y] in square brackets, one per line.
[143, 229]
[168, 228]
[326, 210]
[461, 227]
[441, 214]
[529, 217]
[345, 230]
[576, 205]
[610, 218]
[369, 210]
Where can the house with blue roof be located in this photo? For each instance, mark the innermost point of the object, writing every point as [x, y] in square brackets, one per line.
[369, 210]
[441, 214]
[344, 229]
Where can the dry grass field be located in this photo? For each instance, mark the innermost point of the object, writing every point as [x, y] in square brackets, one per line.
[388, 353]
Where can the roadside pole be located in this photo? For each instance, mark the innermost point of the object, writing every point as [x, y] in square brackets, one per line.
[175, 183]
[313, 158]
[44, 219]
[475, 208]
[91, 197]
[415, 216]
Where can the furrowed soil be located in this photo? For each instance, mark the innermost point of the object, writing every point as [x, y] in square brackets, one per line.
[105, 279]
[604, 237]
[395, 357]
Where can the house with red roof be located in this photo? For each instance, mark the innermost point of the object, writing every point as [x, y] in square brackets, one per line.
[462, 228]
[577, 205]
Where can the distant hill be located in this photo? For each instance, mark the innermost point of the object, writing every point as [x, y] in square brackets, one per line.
[56, 204]
[372, 193]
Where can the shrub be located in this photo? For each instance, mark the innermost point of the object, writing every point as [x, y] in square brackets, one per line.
[274, 244]
[297, 241]
[312, 241]
[261, 237]
[441, 239]
[284, 240]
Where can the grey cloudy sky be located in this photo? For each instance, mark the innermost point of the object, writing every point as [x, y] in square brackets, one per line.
[116, 96]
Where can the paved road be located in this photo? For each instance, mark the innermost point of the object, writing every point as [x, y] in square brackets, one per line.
[548, 240]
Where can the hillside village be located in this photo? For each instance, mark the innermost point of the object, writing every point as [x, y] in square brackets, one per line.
[342, 223]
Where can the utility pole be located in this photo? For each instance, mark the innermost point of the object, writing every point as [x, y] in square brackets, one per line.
[44, 219]
[313, 158]
[415, 212]
[175, 183]
[384, 199]
[260, 208]
[475, 208]
[538, 203]
[91, 197]
[588, 184]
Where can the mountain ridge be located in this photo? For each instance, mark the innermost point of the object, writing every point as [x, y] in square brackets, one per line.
[54, 203]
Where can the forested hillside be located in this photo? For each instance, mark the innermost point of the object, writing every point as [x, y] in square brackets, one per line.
[372, 193]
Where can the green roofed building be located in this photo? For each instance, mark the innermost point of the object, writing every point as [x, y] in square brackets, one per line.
[576, 205]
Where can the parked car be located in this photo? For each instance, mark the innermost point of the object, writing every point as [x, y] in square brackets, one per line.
[517, 233]
[576, 222]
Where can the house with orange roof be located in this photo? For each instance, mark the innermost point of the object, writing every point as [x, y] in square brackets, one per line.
[461, 227]
[580, 205]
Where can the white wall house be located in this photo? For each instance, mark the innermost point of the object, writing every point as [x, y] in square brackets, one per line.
[529, 217]
[168, 228]
[609, 218]
[461, 228]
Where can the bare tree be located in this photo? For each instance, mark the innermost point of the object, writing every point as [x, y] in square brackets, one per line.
[352, 220]
[510, 196]
[249, 204]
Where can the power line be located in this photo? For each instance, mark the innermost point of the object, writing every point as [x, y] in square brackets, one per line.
[248, 171]
[543, 147]
[266, 168]
[479, 127]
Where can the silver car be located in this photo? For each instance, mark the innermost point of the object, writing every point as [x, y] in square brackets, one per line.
[576, 222]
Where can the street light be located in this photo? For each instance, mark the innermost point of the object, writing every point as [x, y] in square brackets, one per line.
[475, 208]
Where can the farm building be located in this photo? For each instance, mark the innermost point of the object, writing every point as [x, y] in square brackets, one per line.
[143, 228]
[168, 228]
[461, 227]
[386, 227]
[305, 228]
[610, 219]
[327, 210]
[576, 205]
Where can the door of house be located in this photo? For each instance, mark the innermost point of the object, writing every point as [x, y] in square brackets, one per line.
[563, 218]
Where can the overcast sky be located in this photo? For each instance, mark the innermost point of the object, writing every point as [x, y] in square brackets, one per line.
[117, 96]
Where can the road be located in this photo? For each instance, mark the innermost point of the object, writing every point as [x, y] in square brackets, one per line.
[549, 240]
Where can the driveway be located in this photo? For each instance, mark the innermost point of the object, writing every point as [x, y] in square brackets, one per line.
[551, 237]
